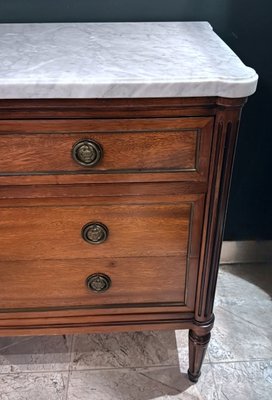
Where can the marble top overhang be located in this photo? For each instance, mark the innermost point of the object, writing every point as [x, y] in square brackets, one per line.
[119, 60]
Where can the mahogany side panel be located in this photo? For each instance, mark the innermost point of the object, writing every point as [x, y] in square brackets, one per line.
[225, 136]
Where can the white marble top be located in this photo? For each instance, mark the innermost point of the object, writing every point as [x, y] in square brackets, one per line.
[110, 60]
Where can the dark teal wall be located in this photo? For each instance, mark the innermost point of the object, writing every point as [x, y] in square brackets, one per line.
[111, 10]
[247, 27]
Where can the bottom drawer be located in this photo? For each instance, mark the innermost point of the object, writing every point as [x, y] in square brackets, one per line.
[63, 283]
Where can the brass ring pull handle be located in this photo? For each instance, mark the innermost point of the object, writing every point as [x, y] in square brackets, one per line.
[87, 153]
[95, 232]
[98, 282]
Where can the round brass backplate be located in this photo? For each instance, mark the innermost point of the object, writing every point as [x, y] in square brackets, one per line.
[98, 282]
[87, 152]
[95, 232]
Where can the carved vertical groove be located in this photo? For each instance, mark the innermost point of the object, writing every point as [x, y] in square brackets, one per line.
[227, 166]
[210, 200]
[225, 137]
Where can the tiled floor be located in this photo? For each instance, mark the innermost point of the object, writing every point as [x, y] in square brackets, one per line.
[152, 365]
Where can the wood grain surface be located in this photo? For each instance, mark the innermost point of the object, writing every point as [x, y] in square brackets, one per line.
[29, 233]
[161, 188]
[44, 147]
[47, 283]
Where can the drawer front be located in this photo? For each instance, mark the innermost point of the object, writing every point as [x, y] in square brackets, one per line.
[44, 147]
[63, 283]
[96, 231]
[143, 251]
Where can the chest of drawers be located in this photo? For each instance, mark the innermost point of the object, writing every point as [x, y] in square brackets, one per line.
[112, 212]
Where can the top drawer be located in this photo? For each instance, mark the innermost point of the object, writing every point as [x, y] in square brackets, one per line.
[131, 149]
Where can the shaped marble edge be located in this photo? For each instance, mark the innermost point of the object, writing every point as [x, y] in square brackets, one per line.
[119, 60]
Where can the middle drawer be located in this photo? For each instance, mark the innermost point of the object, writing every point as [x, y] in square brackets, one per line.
[94, 231]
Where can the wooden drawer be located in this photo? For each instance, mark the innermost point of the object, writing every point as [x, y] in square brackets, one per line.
[131, 149]
[150, 256]
[56, 232]
[63, 283]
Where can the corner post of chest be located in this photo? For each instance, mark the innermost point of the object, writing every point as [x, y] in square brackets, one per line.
[226, 126]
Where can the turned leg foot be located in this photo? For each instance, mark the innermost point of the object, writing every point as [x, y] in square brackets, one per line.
[197, 348]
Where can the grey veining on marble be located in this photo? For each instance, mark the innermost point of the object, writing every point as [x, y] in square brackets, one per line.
[119, 60]
[33, 386]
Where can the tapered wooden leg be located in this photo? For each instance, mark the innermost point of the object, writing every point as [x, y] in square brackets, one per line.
[197, 349]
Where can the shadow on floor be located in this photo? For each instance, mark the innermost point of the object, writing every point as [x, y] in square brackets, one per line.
[259, 274]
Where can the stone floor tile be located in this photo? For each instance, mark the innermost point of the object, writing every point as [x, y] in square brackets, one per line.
[204, 389]
[45, 386]
[38, 353]
[236, 340]
[244, 381]
[122, 350]
[164, 383]
[7, 341]
[244, 290]
[182, 347]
